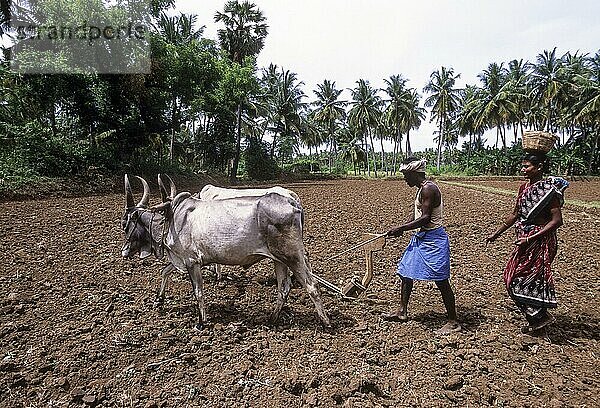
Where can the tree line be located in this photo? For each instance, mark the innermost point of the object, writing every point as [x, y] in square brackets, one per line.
[206, 106]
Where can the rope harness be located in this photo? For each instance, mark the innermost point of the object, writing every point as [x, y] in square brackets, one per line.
[136, 216]
[137, 211]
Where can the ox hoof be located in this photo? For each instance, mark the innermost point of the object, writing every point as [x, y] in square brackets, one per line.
[199, 327]
[274, 317]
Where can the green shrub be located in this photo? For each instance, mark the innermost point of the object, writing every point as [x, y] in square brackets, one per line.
[258, 164]
[303, 166]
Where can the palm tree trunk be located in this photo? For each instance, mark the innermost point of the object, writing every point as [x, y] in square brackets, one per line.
[503, 133]
[368, 162]
[374, 156]
[549, 118]
[408, 148]
[174, 125]
[521, 126]
[593, 153]
[330, 158]
[469, 149]
[439, 147]
[395, 154]
[171, 145]
[160, 152]
[383, 163]
[238, 143]
[497, 137]
[272, 153]
[397, 143]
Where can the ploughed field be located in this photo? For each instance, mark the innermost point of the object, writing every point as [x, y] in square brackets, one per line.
[78, 326]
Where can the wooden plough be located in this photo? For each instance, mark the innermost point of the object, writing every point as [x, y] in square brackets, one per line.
[353, 289]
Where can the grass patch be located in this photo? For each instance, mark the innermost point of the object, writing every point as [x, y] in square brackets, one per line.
[584, 204]
[574, 203]
[486, 189]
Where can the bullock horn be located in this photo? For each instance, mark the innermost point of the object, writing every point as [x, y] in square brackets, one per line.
[128, 194]
[163, 190]
[146, 197]
[173, 188]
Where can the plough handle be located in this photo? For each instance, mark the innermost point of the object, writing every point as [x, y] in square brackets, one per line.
[376, 237]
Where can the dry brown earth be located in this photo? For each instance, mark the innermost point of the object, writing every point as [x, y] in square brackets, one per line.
[78, 327]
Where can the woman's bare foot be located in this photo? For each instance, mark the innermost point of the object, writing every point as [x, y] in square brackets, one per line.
[549, 319]
[449, 328]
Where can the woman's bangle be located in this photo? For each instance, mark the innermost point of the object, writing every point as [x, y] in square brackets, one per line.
[527, 240]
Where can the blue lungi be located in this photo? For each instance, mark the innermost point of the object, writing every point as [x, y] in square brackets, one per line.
[427, 256]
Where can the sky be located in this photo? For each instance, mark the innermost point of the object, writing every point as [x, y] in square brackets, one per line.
[347, 40]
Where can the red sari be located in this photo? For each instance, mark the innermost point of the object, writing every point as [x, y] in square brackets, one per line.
[528, 273]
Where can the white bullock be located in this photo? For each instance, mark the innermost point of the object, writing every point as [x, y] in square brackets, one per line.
[210, 192]
[235, 231]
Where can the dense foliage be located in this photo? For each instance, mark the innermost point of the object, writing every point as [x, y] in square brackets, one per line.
[205, 102]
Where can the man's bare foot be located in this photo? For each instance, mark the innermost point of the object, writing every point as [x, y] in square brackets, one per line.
[395, 317]
[448, 328]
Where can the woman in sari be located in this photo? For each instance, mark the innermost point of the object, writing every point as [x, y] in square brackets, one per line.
[536, 217]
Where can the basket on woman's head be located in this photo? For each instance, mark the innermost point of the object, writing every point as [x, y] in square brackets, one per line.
[536, 141]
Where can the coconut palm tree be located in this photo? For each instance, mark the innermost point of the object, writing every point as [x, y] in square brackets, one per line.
[365, 113]
[470, 110]
[383, 130]
[353, 152]
[517, 83]
[575, 73]
[497, 103]
[414, 115]
[286, 110]
[546, 83]
[262, 102]
[329, 111]
[178, 32]
[5, 17]
[243, 36]
[587, 110]
[444, 101]
[311, 136]
[396, 109]
[23, 11]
